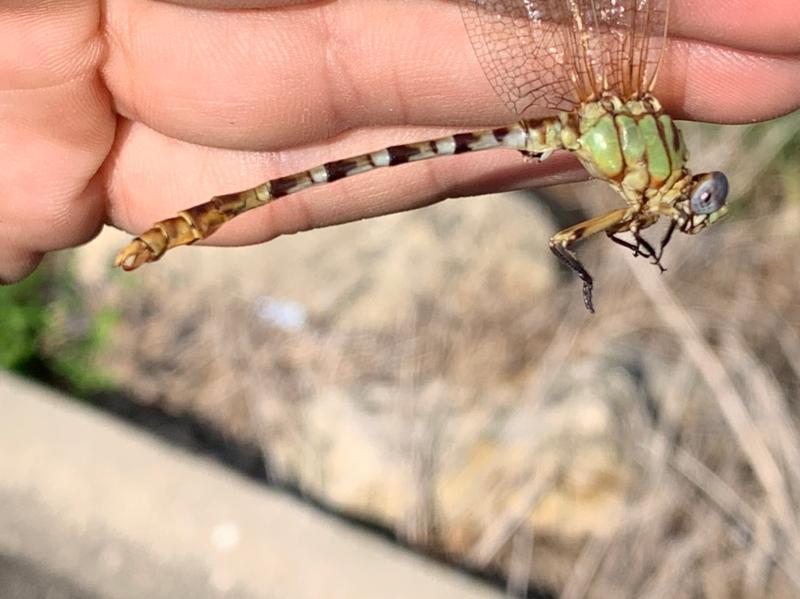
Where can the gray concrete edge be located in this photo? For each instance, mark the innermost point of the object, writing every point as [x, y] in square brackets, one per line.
[122, 515]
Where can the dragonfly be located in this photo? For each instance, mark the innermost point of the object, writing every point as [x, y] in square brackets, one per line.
[592, 65]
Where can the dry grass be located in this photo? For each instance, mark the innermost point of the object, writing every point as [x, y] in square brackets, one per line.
[713, 349]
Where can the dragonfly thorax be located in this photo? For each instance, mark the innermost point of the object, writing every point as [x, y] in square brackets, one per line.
[632, 144]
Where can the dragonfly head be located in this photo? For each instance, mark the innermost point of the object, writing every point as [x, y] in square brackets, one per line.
[704, 202]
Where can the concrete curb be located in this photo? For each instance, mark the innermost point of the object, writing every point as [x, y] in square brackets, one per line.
[120, 514]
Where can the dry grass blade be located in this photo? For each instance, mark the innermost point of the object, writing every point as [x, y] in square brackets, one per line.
[749, 166]
[585, 568]
[520, 564]
[508, 524]
[729, 400]
[735, 510]
[767, 397]
[789, 341]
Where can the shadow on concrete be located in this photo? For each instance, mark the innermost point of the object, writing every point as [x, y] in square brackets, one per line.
[22, 579]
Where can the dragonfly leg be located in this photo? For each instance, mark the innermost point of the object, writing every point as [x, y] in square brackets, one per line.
[642, 243]
[672, 225]
[561, 245]
[529, 156]
[638, 249]
[568, 259]
[642, 246]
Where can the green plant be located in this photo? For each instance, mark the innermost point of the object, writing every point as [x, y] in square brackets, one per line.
[23, 320]
[50, 330]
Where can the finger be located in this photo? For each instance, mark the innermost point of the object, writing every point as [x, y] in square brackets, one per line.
[275, 78]
[47, 42]
[237, 4]
[716, 84]
[48, 200]
[56, 127]
[17, 263]
[765, 26]
[142, 187]
[768, 26]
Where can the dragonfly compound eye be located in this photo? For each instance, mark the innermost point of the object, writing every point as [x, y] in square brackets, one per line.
[709, 193]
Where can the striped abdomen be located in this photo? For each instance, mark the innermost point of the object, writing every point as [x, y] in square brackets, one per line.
[534, 138]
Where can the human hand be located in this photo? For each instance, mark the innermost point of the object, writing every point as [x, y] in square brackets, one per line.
[127, 114]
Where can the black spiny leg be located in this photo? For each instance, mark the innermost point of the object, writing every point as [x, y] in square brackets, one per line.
[642, 248]
[568, 259]
[643, 243]
[636, 249]
[666, 239]
[561, 244]
[529, 156]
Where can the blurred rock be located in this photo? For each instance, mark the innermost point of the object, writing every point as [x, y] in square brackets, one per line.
[383, 368]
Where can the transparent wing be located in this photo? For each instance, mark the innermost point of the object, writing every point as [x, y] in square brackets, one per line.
[555, 54]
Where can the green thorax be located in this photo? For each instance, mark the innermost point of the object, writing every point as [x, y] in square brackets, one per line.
[633, 145]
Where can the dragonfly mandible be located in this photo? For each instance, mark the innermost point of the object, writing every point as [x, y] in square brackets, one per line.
[593, 63]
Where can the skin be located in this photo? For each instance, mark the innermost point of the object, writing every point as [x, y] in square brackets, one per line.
[124, 111]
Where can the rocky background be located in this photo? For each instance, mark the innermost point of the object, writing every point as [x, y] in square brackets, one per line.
[434, 373]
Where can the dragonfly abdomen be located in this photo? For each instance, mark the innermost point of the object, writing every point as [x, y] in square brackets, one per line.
[513, 137]
[533, 138]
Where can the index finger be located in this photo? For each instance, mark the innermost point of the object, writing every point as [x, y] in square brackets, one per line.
[277, 77]
[755, 25]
